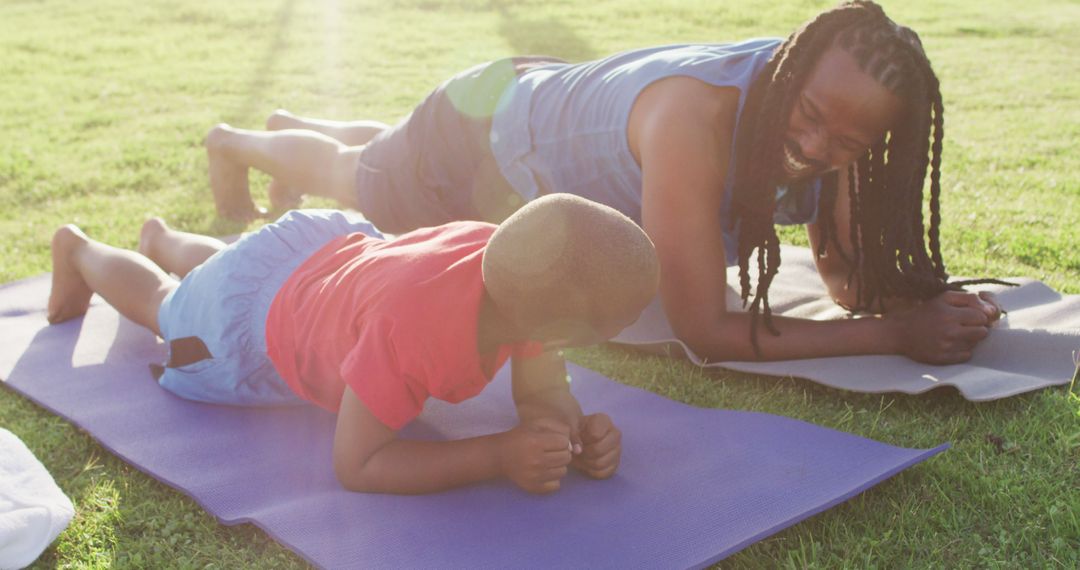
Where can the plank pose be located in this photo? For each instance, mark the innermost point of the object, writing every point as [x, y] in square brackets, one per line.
[319, 307]
[707, 147]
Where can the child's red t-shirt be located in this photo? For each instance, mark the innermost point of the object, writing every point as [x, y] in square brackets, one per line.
[394, 320]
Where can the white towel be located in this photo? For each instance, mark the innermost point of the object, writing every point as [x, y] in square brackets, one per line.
[33, 510]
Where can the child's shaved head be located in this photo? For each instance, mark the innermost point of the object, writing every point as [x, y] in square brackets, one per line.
[563, 263]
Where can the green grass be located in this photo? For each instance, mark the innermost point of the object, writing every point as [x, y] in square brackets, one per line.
[105, 103]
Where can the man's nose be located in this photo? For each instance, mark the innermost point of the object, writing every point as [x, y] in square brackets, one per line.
[814, 145]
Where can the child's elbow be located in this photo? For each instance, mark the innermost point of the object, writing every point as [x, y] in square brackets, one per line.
[352, 484]
[353, 478]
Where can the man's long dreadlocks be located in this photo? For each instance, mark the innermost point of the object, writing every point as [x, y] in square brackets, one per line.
[891, 257]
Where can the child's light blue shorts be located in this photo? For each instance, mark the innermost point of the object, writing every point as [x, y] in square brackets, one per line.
[224, 302]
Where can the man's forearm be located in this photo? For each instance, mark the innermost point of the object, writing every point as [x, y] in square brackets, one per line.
[729, 338]
[845, 294]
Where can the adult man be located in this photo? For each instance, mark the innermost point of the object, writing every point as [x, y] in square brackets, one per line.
[706, 147]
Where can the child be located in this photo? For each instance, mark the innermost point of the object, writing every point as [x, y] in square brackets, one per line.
[318, 307]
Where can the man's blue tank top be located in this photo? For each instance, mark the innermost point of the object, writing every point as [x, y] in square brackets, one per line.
[562, 127]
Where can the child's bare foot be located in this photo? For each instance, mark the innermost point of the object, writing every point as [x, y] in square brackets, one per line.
[148, 237]
[70, 296]
[228, 180]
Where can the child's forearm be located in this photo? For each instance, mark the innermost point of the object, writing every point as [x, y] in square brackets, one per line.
[415, 467]
[368, 456]
[553, 402]
[541, 387]
[534, 456]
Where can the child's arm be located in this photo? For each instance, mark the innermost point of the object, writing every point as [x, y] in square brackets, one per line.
[368, 456]
[541, 389]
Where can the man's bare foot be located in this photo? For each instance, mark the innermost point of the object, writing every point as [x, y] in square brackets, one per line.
[228, 180]
[148, 237]
[281, 119]
[70, 296]
[283, 197]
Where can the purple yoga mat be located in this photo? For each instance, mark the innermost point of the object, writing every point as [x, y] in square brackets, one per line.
[695, 484]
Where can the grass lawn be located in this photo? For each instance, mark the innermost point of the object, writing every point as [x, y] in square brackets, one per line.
[105, 102]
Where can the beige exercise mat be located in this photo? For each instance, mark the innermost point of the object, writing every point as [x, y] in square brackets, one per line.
[1031, 348]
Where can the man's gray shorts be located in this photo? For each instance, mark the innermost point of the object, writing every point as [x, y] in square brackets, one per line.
[436, 165]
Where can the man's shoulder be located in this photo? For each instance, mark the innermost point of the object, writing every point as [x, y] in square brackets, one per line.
[683, 112]
[687, 101]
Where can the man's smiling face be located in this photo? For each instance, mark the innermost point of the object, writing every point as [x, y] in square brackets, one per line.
[840, 112]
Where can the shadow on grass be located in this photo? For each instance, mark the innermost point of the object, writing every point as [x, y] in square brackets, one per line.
[541, 36]
[261, 77]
